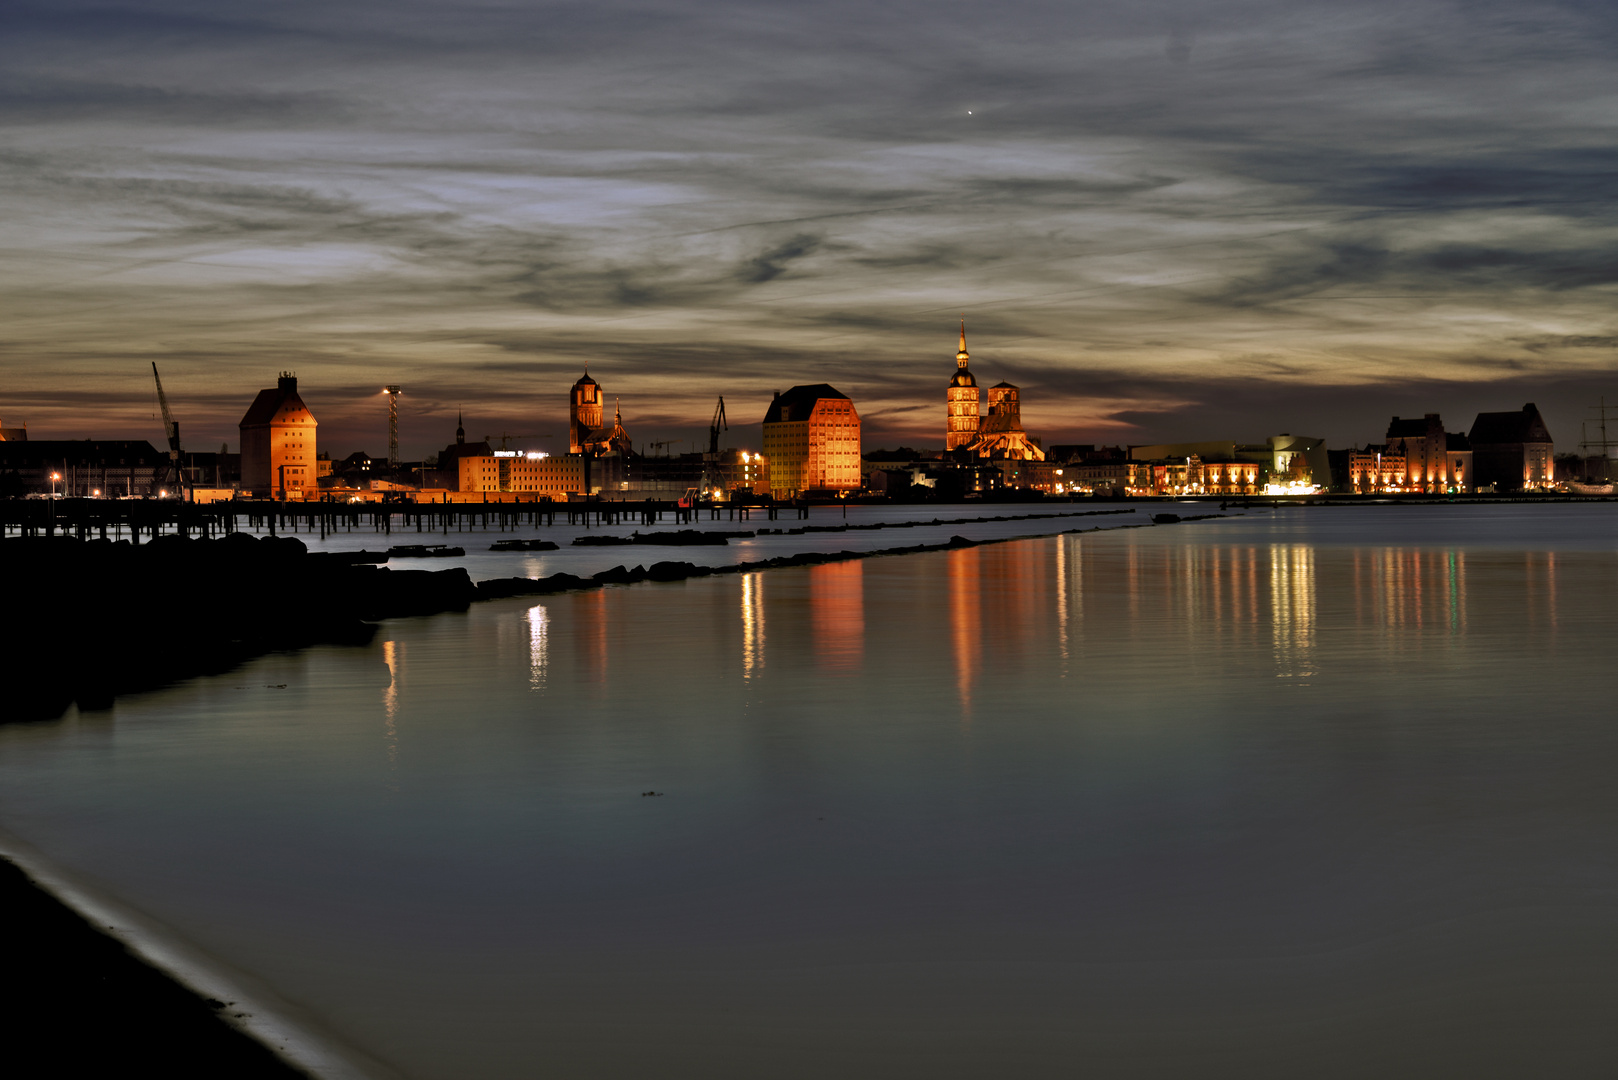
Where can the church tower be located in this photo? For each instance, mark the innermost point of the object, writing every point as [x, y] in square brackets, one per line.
[583, 413]
[961, 421]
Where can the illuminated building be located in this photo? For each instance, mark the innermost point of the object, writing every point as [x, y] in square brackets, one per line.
[13, 434]
[583, 413]
[1513, 450]
[997, 435]
[1435, 460]
[522, 472]
[1000, 433]
[812, 442]
[1376, 469]
[961, 420]
[278, 442]
[585, 433]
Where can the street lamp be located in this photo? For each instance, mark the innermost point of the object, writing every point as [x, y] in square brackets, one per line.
[54, 478]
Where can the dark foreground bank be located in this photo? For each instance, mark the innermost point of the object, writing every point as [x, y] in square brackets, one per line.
[77, 1003]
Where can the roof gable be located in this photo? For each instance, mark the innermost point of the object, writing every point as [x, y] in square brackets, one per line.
[797, 403]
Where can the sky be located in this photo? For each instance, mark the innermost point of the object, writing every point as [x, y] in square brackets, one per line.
[1164, 221]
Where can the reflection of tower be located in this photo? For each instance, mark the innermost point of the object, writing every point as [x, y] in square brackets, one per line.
[961, 423]
[583, 414]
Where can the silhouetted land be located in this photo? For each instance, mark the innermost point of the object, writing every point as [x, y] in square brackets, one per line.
[77, 1003]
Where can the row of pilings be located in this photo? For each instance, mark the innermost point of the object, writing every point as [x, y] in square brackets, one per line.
[146, 519]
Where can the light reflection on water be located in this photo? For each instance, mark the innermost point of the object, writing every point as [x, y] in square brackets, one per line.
[1222, 795]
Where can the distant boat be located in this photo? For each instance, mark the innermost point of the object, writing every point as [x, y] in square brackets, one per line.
[1590, 489]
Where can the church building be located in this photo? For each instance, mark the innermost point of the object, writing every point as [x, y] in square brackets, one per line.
[998, 435]
[585, 433]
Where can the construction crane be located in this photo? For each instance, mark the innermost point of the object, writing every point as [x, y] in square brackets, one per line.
[174, 475]
[662, 445]
[719, 424]
[505, 439]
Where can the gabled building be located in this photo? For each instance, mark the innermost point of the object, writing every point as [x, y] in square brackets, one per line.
[812, 442]
[1512, 451]
[278, 442]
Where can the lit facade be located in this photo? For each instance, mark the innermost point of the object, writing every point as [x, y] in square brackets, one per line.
[961, 408]
[812, 442]
[522, 473]
[278, 442]
[1435, 460]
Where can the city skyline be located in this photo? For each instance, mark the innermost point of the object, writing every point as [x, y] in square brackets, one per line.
[1170, 223]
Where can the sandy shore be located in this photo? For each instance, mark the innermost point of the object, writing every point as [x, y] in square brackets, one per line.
[77, 1003]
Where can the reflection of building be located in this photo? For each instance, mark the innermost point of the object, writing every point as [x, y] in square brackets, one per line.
[278, 442]
[1513, 450]
[997, 435]
[961, 420]
[812, 442]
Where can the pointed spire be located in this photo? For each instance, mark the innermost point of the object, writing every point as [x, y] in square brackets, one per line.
[961, 357]
[617, 411]
[460, 427]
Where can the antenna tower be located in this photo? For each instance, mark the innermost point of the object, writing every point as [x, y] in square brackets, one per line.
[393, 423]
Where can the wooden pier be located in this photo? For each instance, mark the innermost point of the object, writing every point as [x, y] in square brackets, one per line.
[145, 519]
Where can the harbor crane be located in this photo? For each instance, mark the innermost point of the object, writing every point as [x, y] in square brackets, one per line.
[719, 424]
[174, 474]
[506, 437]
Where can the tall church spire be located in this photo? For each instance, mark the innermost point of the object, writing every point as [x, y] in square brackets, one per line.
[961, 357]
[460, 428]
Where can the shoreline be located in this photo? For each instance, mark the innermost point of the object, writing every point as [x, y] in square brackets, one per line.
[140, 994]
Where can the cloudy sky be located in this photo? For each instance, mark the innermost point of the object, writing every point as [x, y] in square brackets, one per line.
[1163, 220]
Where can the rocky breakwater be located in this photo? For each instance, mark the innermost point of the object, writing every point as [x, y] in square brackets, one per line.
[93, 619]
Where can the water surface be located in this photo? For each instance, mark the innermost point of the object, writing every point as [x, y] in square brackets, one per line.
[1320, 792]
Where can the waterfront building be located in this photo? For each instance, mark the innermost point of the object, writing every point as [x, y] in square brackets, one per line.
[83, 468]
[1435, 460]
[13, 434]
[278, 442]
[812, 442]
[1513, 451]
[1298, 465]
[961, 402]
[522, 473]
[1376, 469]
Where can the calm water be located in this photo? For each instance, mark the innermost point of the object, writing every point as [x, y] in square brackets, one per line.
[1305, 793]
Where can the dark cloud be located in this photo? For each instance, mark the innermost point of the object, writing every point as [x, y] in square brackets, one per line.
[1162, 219]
